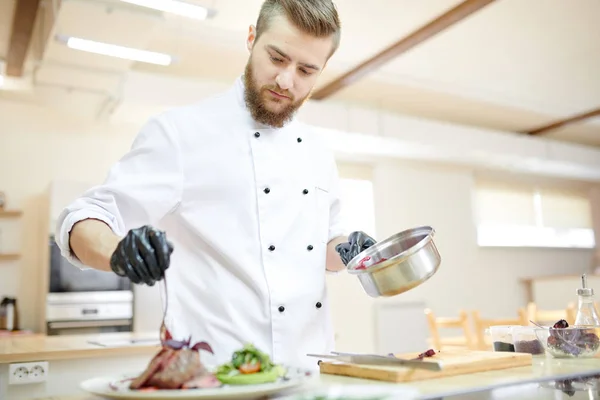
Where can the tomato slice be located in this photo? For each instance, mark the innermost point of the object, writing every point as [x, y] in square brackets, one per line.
[248, 368]
[148, 389]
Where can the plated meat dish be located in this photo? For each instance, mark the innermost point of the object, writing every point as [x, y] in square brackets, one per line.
[176, 366]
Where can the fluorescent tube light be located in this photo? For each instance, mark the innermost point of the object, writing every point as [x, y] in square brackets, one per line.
[113, 50]
[175, 7]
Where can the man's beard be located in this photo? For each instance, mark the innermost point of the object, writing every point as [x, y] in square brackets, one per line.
[254, 98]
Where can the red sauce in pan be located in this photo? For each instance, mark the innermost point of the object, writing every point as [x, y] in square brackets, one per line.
[361, 264]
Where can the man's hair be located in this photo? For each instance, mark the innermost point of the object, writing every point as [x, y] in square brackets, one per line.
[318, 18]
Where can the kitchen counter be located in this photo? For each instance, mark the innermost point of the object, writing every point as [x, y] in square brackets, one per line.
[4, 333]
[42, 347]
[536, 381]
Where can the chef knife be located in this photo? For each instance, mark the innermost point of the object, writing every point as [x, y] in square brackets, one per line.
[372, 359]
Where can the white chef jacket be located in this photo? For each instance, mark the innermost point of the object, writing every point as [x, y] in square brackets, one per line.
[249, 210]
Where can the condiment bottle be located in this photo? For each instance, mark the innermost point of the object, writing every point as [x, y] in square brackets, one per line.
[3, 314]
[586, 310]
[9, 314]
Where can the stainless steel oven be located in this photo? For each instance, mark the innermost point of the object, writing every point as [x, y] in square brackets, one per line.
[85, 301]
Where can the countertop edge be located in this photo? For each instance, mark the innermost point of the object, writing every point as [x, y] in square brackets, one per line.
[78, 353]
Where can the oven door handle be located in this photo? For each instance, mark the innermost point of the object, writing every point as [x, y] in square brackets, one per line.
[87, 324]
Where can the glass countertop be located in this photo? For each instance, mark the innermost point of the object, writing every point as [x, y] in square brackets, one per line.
[576, 387]
[546, 378]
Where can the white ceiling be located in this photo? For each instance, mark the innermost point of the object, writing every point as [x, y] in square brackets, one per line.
[514, 65]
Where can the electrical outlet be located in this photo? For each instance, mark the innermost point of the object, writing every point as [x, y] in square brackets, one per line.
[18, 375]
[25, 373]
[38, 372]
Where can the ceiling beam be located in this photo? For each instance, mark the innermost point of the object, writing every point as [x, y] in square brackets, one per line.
[20, 36]
[565, 121]
[417, 37]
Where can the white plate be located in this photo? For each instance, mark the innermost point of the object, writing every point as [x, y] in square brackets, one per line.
[104, 387]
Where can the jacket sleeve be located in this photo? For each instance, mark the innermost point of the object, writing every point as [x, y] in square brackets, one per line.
[141, 188]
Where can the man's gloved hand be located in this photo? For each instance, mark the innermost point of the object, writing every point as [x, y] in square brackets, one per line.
[143, 255]
[357, 242]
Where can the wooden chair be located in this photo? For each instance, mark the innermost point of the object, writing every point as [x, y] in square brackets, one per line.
[462, 322]
[481, 324]
[545, 317]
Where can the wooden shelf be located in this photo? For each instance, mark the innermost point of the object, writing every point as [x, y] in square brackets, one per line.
[9, 257]
[10, 213]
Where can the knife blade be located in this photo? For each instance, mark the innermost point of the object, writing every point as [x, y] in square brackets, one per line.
[372, 359]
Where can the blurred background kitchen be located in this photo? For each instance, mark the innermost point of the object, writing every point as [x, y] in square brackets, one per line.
[483, 122]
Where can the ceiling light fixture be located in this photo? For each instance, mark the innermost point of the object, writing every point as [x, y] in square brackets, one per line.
[113, 50]
[175, 7]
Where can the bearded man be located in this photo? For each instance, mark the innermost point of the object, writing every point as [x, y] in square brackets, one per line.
[246, 194]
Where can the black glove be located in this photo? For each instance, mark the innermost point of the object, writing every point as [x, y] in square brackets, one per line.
[143, 255]
[357, 242]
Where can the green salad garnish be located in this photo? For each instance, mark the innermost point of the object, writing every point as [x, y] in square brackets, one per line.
[249, 366]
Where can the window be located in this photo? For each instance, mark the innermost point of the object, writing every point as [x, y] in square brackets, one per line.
[528, 216]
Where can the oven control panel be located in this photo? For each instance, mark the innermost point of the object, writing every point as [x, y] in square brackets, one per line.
[90, 306]
[80, 312]
[91, 311]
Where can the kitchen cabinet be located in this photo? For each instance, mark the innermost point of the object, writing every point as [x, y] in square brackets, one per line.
[6, 251]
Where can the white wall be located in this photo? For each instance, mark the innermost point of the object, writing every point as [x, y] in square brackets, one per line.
[37, 146]
[595, 199]
[410, 194]
[470, 277]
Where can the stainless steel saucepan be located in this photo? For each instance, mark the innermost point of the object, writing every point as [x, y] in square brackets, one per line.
[397, 264]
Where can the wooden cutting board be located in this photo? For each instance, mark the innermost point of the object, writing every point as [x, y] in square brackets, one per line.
[454, 362]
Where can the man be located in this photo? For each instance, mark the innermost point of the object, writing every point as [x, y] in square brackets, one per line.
[247, 195]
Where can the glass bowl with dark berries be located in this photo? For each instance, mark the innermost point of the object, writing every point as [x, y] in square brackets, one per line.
[564, 341]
